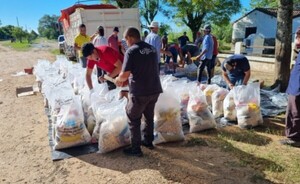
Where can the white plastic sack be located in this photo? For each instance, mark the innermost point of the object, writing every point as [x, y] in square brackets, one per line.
[70, 129]
[229, 107]
[247, 101]
[114, 131]
[218, 97]
[167, 126]
[200, 118]
[208, 91]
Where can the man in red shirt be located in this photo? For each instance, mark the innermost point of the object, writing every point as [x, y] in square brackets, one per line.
[106, 58]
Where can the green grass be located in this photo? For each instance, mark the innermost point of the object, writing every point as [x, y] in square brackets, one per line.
[24, 46]
[55, 52]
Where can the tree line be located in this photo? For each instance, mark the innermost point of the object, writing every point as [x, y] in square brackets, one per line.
[15, 33]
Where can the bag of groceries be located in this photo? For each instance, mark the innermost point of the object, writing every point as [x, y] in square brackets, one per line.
[70, 129]
[247, 101]
[114, 131]
[167, 123]
[200, 118]
[208, 91]
[229, 107]
[217, 99]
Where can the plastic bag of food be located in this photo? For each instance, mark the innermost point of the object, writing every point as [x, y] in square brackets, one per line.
[200, 118]
[229, 107]
[167, 126]
[218, 97]
[247, 101]
[208, 91]
[70, 129]
[114, 131]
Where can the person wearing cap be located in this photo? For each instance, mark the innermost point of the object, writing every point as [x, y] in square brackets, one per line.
[236, 70]
[206, 55]
[154, 39]
[292, 120]
[79, 40]
[140, 71]
[199, 39]
[106, 58]
[183, 40]
[113, 40]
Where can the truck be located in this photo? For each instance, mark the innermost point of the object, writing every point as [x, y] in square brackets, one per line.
[92, 16]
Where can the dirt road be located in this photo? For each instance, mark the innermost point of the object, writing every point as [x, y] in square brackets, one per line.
[25, 153]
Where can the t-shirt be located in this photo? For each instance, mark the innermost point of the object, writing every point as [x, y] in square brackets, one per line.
[140, 59]
[113, 42]
[108, 57]
[154, 40]
[208, 45]
[183, 40]
[80, 40]
[191, 48]
[215, 52]
[294, 82]
[100, 40]
[242, 65]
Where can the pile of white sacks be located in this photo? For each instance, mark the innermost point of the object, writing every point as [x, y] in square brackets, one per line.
[79, 117]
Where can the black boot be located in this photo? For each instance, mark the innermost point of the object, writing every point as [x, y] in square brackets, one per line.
[133, 151]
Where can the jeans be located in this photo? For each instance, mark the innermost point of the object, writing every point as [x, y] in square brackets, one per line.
[136, 107]
[82, 61]
[208, 64]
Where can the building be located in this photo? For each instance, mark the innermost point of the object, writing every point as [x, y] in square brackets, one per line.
[261, 22]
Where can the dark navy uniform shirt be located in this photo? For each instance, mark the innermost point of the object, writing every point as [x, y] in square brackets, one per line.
[294, 83]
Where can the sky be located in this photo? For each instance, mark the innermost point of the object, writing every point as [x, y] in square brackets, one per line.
[27, 13]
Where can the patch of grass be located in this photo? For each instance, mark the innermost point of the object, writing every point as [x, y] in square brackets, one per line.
[55, 52]
[196, 141]
[24, 46]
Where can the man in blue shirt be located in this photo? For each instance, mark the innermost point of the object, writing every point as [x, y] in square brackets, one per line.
[206, 54]
[236, 70]
[292, 121]
[154, 39]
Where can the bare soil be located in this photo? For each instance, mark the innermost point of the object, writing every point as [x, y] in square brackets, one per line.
[25, 152]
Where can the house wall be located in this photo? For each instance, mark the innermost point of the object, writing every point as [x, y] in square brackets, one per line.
[266, 25]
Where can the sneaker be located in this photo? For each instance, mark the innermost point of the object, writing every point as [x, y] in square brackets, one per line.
[133, 152]
[290, 142]
[148, 145]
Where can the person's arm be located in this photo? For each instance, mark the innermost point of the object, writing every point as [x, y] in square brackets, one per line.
[227, 80]
[88, 78]
[246, 77]
[122, 79]
[117, 70]
[93, 36]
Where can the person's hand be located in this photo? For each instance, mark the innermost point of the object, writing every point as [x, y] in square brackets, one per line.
[101, 79]
[231, 86]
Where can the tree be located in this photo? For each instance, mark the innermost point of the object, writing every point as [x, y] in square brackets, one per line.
[194, 12]
[270, 4]
[124, 3]
[47, 26]
[6, 32]
[163, 28]
[19, 33]
[283, 43]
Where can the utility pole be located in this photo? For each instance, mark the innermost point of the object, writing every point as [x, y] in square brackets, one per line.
[18, 22]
